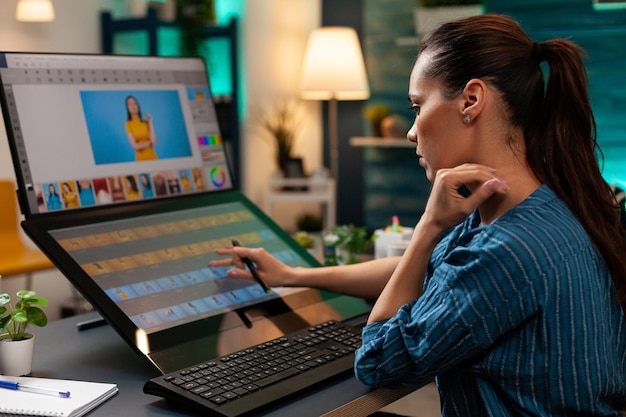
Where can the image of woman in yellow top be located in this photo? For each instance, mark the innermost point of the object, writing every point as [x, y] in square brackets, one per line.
[132, 189]
[70, 197]
[185, 182]
[140, 131]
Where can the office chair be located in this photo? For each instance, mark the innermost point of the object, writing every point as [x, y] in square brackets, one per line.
[16, 257]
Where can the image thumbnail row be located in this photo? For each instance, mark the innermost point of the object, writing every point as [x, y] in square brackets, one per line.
[72, 194]
[169, 254]
[169, 228]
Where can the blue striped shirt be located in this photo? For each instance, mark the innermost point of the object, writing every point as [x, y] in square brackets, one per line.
[517, 318]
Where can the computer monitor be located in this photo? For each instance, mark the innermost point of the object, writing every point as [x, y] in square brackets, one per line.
[130, 205]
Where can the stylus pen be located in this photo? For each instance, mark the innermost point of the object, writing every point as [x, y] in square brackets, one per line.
[39, 390]
[91, 323]
[252, 269]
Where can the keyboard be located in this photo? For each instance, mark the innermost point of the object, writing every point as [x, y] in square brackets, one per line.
[247, 381]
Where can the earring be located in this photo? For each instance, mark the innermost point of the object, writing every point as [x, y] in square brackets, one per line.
[467, 119]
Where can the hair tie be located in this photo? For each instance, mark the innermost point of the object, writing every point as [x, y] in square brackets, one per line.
[538, 52]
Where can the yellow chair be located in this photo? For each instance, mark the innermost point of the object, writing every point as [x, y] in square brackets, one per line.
[16, 257]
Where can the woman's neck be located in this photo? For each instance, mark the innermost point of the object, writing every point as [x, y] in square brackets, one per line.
[522, 182]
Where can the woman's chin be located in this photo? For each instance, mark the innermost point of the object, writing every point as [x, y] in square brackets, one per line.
[421, 162]
[427, 170]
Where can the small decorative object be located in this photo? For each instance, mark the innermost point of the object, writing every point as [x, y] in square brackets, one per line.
[375, 114]
[304, 239]
[294, 168]
[280, 125]
[16, 346]
[343, 244]
[319, 181]
[393, 126]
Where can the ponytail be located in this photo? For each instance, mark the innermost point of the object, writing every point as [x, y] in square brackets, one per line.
[563, 152]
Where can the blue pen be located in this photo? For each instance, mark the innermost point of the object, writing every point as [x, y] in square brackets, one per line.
[39, 390]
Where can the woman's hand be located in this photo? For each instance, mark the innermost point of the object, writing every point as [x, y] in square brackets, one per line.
[273, 272]
[446, 207]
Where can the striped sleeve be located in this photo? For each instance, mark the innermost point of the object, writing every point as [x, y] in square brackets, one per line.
[516, 315]
[477, 293]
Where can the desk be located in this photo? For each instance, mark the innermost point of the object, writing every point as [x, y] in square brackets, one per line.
[99, 354]
[318, 190]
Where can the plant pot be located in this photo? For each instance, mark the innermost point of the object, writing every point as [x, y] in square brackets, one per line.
[429, 18]
[16, 356]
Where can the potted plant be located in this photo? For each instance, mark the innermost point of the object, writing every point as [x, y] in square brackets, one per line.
[430, 14]
[343, 244]
[16, 345]
[280, 125]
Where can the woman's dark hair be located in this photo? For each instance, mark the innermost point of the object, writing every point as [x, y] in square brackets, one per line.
[133, 182]
[557, 120]
[128, 115]
[145, 184]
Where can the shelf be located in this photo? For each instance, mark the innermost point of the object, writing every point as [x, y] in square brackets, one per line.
[379, 142]
[317, 190]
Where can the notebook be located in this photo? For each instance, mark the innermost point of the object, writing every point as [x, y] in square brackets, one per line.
[125, 184]
[84, 397]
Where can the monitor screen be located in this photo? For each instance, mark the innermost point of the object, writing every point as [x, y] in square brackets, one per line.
[93, 130]
[155, 268]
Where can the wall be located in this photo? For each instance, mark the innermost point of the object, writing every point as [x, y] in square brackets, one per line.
[350, 122]
[602, 34]
[392, 185]
[275, 40]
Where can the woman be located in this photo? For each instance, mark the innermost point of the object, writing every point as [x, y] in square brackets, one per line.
[132, 189]
[512, 296]
[53, 200]
[146, 186]
[140, 132]
[70, 198]
[85, 193]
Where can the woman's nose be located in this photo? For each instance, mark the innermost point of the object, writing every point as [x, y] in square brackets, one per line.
[411, 135]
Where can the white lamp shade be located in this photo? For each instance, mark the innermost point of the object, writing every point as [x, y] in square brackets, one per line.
[333, 66]
[34, 11]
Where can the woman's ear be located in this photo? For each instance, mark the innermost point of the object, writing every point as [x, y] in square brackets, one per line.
[473, 99]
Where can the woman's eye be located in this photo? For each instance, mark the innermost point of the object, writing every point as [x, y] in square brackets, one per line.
[415, 108]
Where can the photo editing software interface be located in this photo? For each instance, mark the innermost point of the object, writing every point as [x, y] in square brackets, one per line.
[93, 130]
[155, 268]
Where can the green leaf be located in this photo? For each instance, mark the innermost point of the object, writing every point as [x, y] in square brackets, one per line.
[19, 316]
[4, 322]
[4, 298]
[26, 294]
[38, 301]
[36, 316]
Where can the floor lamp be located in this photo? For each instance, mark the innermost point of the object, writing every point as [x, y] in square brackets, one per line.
[34, 11]
[334, 70]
